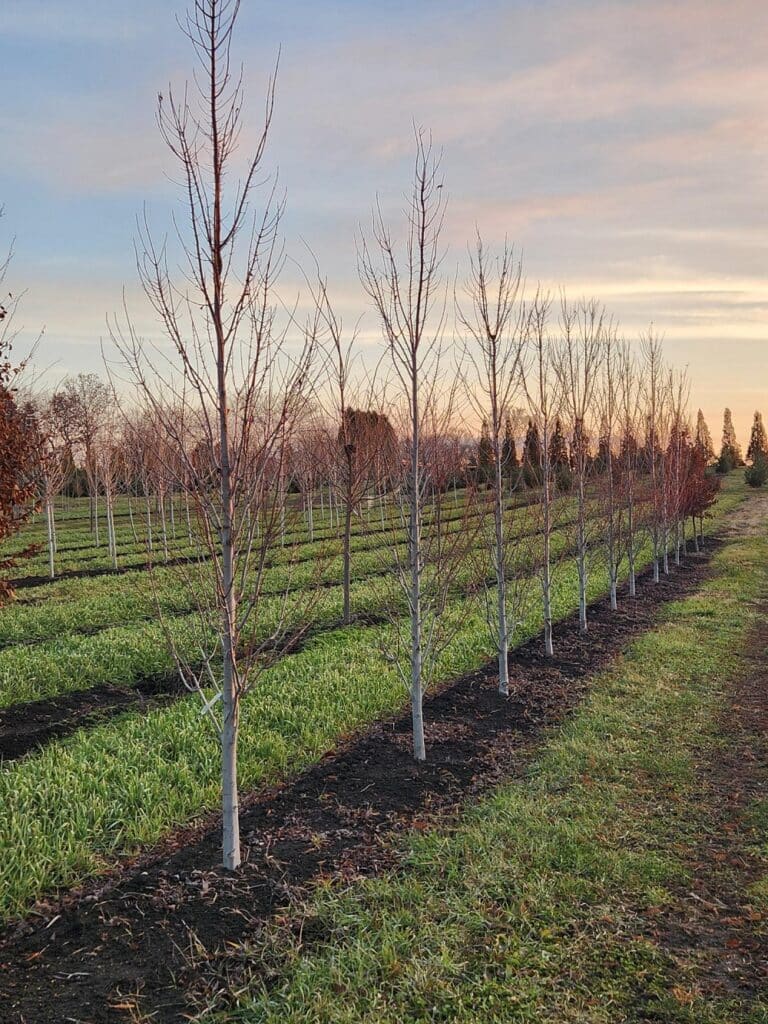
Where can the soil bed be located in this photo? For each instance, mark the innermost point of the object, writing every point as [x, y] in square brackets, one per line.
[124, 943]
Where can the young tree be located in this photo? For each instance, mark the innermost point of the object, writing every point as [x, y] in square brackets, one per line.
[704, 439]
[656, 425]
[758, 442]
[409, 298]
[577, 365]
[532, 456]
[608, 469]
[509, 458]
[630, 456]
[540, 383]
[495, 329]
[559, 458]
[228, 396]
[678, 457]
[80, 405]
[53, 465]
[730, 452]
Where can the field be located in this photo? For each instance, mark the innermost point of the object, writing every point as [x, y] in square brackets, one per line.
[109, 785]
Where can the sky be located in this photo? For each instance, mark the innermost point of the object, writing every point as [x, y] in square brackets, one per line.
[621, 146]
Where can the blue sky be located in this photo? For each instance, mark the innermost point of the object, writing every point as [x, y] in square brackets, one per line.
[622, 146]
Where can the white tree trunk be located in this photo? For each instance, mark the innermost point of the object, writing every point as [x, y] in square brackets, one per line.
[51, 538]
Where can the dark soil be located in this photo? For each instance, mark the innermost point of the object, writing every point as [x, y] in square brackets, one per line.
[101, 952]
[26, 727]
[714, 931]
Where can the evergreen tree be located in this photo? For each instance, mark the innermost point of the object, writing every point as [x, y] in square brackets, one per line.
[558, 449]
[485, 455]
[730, 453]
[629, 450]
[603, 458]
[509, 459]
[532, 456]
[758, 442]
[558, 457]
[704, 439]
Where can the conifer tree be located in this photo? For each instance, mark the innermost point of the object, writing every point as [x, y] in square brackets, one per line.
[704, 439]
[510, 461]
[532, 456]
[558, 449]
[485, 455]
[758, 442]
[559, 459]
[730, 453]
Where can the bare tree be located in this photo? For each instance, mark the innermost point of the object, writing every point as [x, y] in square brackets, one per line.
[229, 383]
[541, 388]
[656, 424]
[52, 466]
[495, 329]
[364, 448]
[577, 365]
[408, 295]
[80, 405]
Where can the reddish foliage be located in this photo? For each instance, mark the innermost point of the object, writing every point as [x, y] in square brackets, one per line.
[18, 451]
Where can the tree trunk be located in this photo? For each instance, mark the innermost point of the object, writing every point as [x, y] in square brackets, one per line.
[414, 539]
[51, 540]
[501, 581]
[631, 533]
[582, 556]
[149, 523]
[546, 579]
[347, 556]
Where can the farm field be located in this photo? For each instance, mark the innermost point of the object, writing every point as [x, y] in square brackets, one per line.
[383, 513]
[130, 784]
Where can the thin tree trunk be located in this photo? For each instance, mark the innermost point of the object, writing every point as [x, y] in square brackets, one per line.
[414, 535]
[501, 582]
[631, 533]
[149, 523]
[51, 541]
[546, 582]
[347, 556]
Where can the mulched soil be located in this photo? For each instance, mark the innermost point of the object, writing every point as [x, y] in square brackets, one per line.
[713, 928]
[103, 950]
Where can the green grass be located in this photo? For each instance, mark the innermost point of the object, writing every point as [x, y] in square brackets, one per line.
[536, 907]
[75, 806]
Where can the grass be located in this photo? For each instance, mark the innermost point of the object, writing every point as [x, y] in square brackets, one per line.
[78, 804]
[538, 906]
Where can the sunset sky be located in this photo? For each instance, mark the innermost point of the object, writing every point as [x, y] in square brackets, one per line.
[621, 146]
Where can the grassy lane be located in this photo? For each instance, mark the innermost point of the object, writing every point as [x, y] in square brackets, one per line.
[540, 906]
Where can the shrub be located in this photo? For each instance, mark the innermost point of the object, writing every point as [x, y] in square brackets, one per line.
[756, 475]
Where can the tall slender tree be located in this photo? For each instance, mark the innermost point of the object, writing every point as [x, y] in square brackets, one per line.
[704, 439]
[495, 328]
[227, 397]
[409, 297]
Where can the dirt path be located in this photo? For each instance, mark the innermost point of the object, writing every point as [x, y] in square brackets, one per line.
[117, 945]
